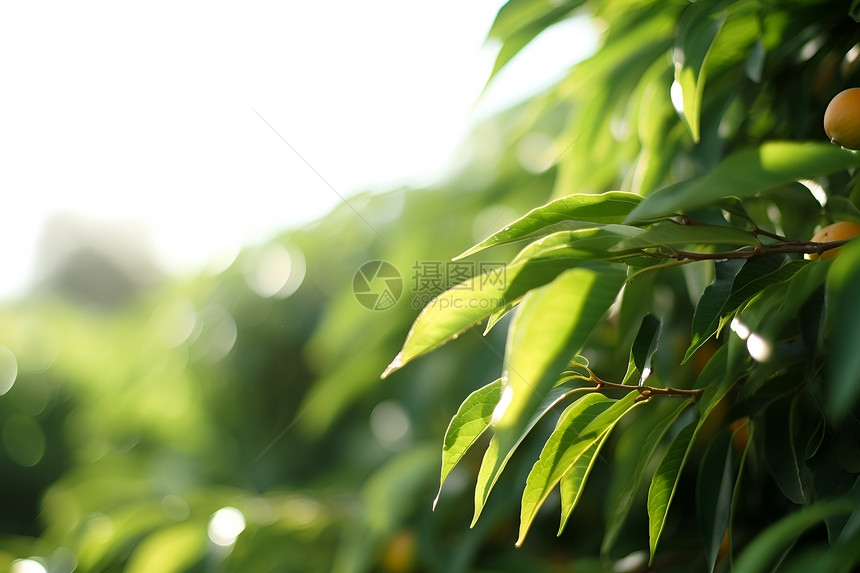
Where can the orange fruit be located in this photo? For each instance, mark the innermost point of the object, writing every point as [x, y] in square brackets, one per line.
[835, 232]
[842, 119]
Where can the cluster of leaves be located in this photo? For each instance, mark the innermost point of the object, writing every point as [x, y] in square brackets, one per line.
[724, 189]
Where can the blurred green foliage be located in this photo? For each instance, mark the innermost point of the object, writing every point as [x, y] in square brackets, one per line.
[130, 427]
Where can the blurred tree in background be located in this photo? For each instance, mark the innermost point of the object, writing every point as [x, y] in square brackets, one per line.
[236, 421]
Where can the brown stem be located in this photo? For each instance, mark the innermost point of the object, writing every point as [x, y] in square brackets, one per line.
[645, 392]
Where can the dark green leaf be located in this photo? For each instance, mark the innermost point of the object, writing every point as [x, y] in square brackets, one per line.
[625, 499]
[714, 494]
[765, 548]
[781, 453]
[706, 319]
[843, 286]
[645, 345]
[665, 481]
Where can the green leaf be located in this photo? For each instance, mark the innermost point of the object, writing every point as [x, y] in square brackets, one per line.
[673, 234]
[552, 324]
[468, 424]
[171, 549]
[518, 22]
[714, 494]
[568, 213]
[706, 318]
[801, 286]
[573, 482]
[781, 452]
[697, 30]
[843, 284]
[496, 456]
[757, 275]
[764, 549]
[579, 429]
[841, 208]
[665, 481]
[717, 378]
[592, 243]
[625, 499]
[645, 345]
[457, 309]
[747, 172]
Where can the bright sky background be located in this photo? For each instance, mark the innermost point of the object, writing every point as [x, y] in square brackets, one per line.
[146, 113]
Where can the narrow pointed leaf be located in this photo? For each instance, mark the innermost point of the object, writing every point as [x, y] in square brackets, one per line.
[459, 308]
[843, 386]
[675, 235]
[747, 172]
[518, 22]
[568, 213]
[766, 547]
[552, 324]
[665, 481]
[625, 499]
[591, 243]
[645, 345]
[573, 482]
[706, 318]
[714, 494]
[495, 460]
[577, 431]
[697, 30]
[717, 379]
[468, 424]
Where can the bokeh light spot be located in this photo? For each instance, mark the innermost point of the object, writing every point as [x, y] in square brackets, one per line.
[276, 271]
[175, 321]
[28, 566]
[225, 526]
[8, 369]
[389, 423]
[535, 152]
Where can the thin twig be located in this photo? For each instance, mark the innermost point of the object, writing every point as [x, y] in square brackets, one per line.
[645, 392]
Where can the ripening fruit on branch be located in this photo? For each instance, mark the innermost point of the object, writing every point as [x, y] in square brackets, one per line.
[835, 232]
[842, 119]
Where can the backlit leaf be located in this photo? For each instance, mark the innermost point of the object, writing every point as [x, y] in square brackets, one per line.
[746, 172]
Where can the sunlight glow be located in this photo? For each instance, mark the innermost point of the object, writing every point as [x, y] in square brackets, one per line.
[28, 566]
[8, 369]
[225, 526]
[816, 190]
[739, 328]
[676, 93]
[759, 348]
[504, 402]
